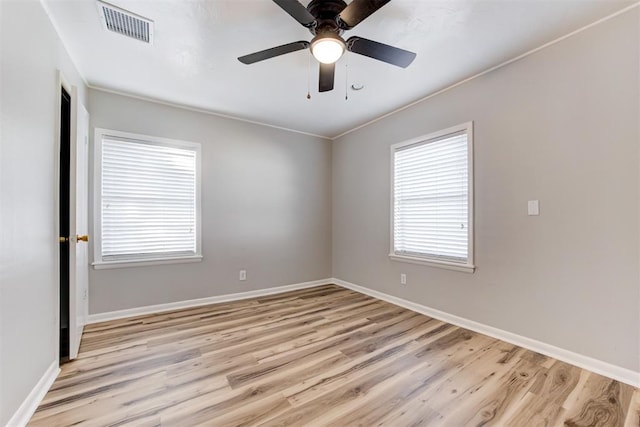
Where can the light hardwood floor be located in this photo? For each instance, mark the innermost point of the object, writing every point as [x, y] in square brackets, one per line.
[325, 356]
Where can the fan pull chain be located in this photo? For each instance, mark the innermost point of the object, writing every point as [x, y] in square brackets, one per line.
[309, 77]
[346, 79]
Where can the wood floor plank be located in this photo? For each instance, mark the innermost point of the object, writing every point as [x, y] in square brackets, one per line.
[323, 356]
[426, 376]
[602, 402]
[490, 399]
[547, 395]
[633, 414]
[326, 381]
[464, 380]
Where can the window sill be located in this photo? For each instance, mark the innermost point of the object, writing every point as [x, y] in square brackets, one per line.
[102, 265]
[465, 268]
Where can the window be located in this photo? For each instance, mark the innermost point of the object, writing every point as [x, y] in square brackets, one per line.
[147, 200]
[432, 199]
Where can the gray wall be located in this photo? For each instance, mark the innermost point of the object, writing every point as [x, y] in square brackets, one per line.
[560, 126]
[31, 54]
[266, 207]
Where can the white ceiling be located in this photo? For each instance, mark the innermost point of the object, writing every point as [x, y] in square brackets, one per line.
[193, 59]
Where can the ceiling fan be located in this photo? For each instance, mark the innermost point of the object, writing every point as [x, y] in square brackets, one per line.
[327, 20]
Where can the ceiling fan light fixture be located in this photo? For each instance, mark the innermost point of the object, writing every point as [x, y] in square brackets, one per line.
[328, 48]
[327, 20]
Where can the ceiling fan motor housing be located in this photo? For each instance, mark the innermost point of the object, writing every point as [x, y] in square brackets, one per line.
[326, 13]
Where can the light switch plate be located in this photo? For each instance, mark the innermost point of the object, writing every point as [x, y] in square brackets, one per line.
[533, 207]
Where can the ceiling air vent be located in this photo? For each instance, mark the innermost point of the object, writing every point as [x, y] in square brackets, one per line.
[126, 23]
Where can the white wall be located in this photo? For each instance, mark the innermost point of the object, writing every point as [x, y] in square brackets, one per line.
[560, 126]
[266, 207]
[31, 54]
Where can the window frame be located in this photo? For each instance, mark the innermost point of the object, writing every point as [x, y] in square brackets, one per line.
[98, 261]
[469, 265]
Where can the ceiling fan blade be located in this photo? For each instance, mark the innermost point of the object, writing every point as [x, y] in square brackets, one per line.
[380, 51]
[273, 52]
[357, 11]
[327, 72]
[297, 11]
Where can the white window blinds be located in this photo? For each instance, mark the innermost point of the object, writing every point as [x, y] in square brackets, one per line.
[148, 200]
[431, 199]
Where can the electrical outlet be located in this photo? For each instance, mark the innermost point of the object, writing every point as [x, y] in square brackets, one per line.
[403, 279]
[243, 275]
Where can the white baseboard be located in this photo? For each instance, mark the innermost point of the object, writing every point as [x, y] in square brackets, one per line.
[615, 372]
[159, 308]
[24, 413]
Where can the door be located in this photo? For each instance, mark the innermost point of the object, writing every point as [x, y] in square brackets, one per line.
[78, 225]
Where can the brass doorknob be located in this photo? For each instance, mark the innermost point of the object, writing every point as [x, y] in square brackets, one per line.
[84, 238]
[63, 239]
